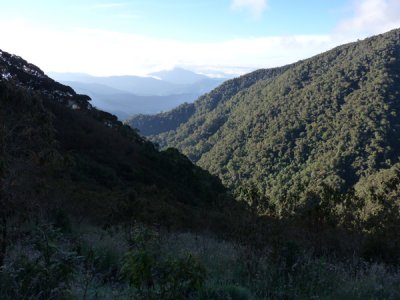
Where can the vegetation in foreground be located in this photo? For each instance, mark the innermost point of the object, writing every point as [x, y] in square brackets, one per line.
[139, 262]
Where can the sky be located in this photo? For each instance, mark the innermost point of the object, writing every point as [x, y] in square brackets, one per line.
[214, 37]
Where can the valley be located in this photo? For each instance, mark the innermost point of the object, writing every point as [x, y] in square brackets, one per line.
[282, 183]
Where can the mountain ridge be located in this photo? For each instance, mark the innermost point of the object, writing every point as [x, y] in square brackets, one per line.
[306, 140]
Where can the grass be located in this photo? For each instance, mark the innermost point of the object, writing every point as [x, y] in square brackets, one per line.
[234, 271]
[289, 273]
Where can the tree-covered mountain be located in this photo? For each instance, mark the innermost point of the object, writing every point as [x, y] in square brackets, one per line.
[101, 168]
[319, 138]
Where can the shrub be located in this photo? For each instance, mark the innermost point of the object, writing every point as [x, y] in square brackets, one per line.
[42, 272]
[161, 277]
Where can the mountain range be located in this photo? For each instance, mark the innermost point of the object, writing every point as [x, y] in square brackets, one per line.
[125, 96]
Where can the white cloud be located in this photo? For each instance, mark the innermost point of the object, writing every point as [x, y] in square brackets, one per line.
[372, 17]
[111, 53]
[256, 7]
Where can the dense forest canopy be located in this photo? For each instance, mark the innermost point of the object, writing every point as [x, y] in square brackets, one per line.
[308, 136]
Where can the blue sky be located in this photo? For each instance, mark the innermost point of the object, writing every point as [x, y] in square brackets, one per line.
[209, 36]
[188, 20]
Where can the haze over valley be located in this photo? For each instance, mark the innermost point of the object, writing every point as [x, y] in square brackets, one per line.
[125, 96]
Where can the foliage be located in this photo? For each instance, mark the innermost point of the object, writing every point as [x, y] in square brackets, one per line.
[47, 264]
[43, 272]
[159, 277]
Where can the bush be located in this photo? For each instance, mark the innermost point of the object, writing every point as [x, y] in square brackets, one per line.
[43, 272]
[161, 277]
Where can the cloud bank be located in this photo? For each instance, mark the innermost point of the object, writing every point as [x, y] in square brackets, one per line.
[111, 53]
[372, 17]
[100, 52]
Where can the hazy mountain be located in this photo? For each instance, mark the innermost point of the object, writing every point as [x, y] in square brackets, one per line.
[129, 95]
[179, 76]
[123, 104]
[131, 84]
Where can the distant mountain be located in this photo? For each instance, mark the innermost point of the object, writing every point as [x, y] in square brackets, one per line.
[131, 84]
[179, 76]
[123, 104]
[320, 138]
[129, 95]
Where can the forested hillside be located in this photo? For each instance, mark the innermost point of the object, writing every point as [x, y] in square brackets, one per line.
[307, 140]
[92, 164]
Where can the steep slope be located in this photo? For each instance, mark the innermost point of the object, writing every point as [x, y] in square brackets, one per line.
[308, 138]
[193, 116]
[90, 164]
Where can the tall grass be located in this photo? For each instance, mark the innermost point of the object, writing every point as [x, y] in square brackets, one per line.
[88, 262]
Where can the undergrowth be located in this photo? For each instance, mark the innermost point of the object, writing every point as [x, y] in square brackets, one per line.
[139, 262]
